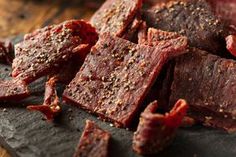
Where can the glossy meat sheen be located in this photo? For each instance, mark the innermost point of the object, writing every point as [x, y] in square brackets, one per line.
[114, 16]
[116, 77]
[13, 90]
[208, 83]
[45, 50]
[93, 142]
[156, 131]
[231, 44]
[191, 18]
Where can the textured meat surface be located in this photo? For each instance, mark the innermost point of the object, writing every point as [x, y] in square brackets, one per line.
[156, 131]
[231, 44]
[94, 141]
[208, 83]
[114, 16]
[6, 51]
[191, 18]
[116, 77]
[13, 90]
[46, 49]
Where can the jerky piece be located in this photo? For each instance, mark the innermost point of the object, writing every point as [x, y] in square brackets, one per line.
[231, 44]
[191, 18]
[142, 33]
[13, 90]
[46, 49]
[51, 106]
[156, 131]
[116, 77]
[208, 83]
[93, 142]
[6, 51]
[114, 16]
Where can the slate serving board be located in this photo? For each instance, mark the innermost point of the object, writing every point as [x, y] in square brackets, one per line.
[26, 134]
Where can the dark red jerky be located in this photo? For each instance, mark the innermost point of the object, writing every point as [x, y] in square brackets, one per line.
[94, 141]
[208, 83]
[191, 18]
[132, 30]
[44, 50]
[13, 90]
[115, 16]
[231, 44]
[116, 77]
[142, 33]
[156, 131]
[6, 51]
[51, 106]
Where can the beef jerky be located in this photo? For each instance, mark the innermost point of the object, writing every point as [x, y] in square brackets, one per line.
[131, 32]
[13, 90]
[51, 106]
[231, 44]
[6, 51]
[207, 82]
[46, 49]
[142, 33]
[191, 18]
[156, 131]
[93, 142]
[116, 77]
[114, 16]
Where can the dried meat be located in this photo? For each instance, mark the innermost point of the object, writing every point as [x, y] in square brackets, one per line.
[115, 16]
[208, 83]
[44, 50]
[156, 131]
[6, 51]
[231, 44]
[94, 141]
[191, 18]
[116, 77]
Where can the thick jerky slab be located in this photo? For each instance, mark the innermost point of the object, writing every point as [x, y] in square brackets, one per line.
[191, 18]
[116, 77]
[46, 49]
[51, 106]
[6, 51]
[114, 16]
[93, 142]
[208, 83]
[156, 131]
[13, 90]
[231, 44]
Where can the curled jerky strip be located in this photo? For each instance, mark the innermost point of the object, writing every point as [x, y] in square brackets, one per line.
[156, 131]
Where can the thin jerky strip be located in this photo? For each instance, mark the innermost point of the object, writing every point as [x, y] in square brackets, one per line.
[191, 18]
[231, 44]
[116, 77]
[114, 16]
[44, 50]
[156, 131]
[213, 101]
[93, 142]
[51, 106]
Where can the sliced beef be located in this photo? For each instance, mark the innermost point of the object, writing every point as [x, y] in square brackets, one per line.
[51, 106]
[13, 90]
[231, 44]
[208, 83]
[116, 77]
[6, 51]
[156, 131]
[45, 50]
[94, 141]
[114, 16]
[191, 18]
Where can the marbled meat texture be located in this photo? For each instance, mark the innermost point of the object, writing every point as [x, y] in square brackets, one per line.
[156, 131]
[231, 44]
[46, 49]
[191, 18]
[94, 141]
[208, 83]
[114, 16]
[116, 77]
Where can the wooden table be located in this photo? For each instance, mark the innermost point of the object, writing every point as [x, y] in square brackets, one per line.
[23, 16]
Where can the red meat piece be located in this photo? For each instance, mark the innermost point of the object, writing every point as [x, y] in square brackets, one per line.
[93, 142]
[231, 44]
[156, 131]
